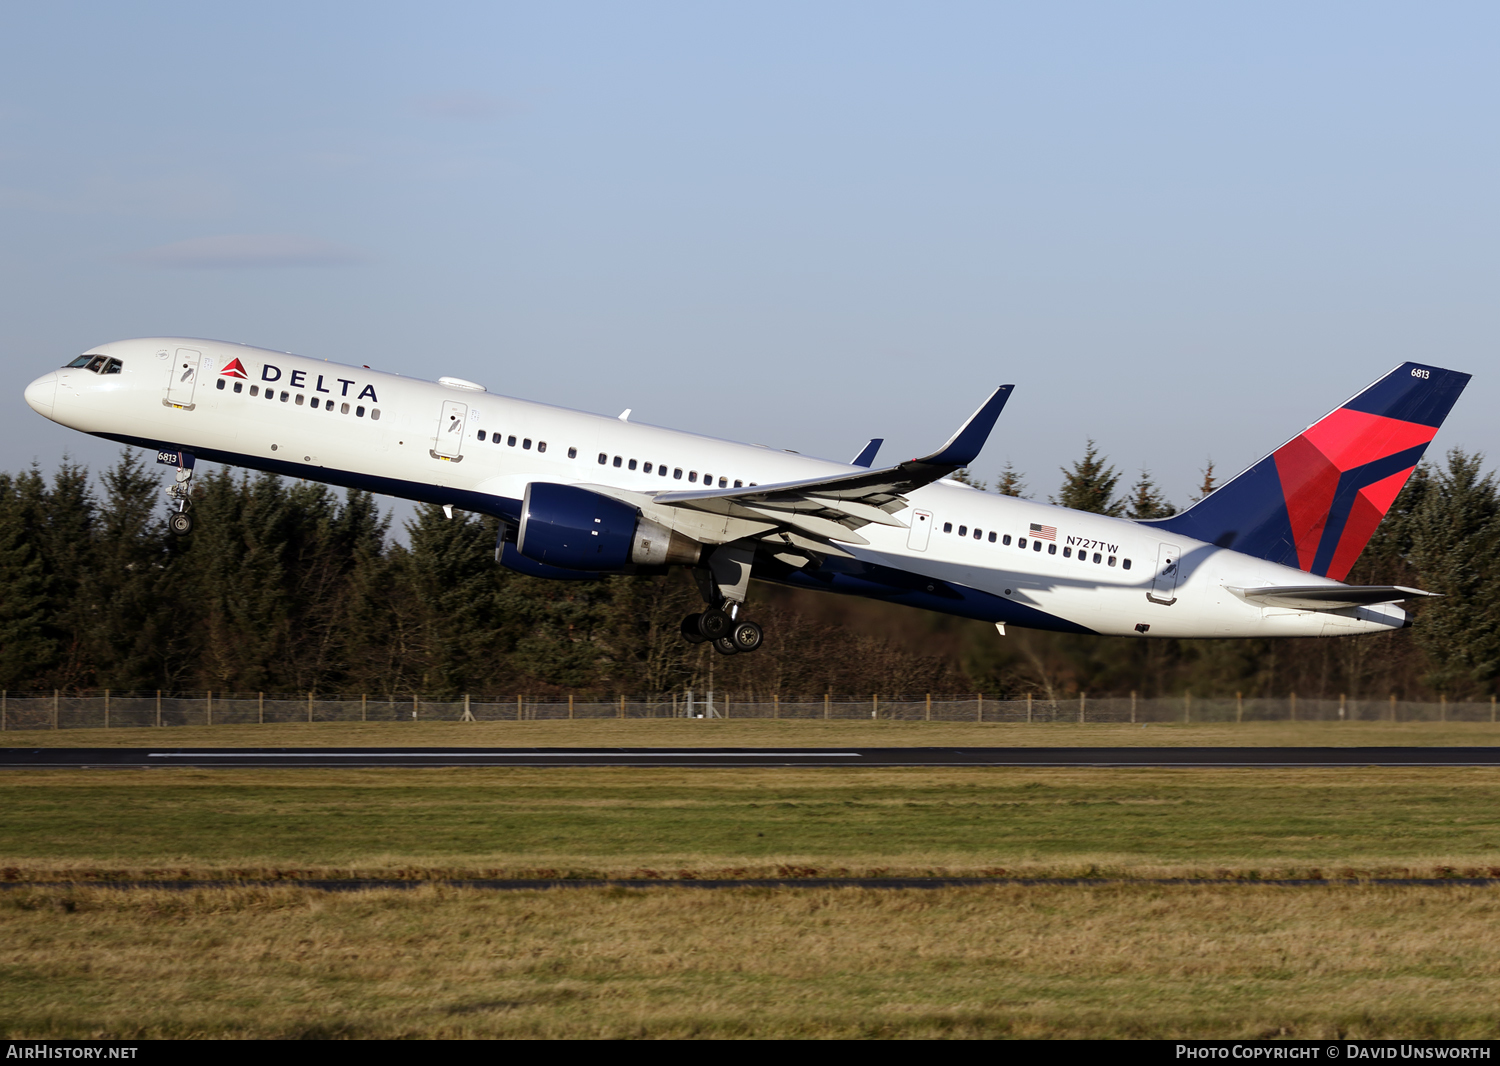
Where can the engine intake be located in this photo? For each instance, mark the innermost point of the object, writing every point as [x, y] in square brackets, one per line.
[575, 528]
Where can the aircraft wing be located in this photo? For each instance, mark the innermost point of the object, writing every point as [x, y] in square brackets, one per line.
[833, 507]
[1327, 597]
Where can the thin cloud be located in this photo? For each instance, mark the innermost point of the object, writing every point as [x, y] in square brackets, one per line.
[461, 106]
[249, 250]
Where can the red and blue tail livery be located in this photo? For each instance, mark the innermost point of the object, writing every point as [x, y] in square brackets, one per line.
[1314, 502]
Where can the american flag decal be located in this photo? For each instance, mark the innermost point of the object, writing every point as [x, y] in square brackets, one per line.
[1043, 532]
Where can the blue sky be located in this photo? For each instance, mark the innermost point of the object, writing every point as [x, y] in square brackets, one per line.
[1183, 230]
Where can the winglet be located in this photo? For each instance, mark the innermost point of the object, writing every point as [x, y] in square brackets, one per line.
[866, 456]
[965, 445]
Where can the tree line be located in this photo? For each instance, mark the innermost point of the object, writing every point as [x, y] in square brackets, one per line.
[290, 587]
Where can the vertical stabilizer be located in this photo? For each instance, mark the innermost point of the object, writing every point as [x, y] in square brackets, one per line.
[1314, 502]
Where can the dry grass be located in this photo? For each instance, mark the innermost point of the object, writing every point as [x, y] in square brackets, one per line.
[677, 733]
[1126, 961]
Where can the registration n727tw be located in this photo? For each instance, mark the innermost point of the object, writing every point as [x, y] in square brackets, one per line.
[580, 496]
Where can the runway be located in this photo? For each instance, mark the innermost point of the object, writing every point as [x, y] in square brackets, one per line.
[365, 758]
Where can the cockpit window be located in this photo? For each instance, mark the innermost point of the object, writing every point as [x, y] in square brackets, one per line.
[99, 364]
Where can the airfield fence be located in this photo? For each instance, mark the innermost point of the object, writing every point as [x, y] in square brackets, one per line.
[35, 711]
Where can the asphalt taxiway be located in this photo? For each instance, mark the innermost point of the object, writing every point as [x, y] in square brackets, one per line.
[1247, 757]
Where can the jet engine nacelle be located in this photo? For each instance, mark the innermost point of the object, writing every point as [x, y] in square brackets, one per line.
[575, 528]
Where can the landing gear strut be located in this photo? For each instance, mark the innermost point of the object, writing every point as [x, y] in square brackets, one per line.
[723, 584]
[180, 492]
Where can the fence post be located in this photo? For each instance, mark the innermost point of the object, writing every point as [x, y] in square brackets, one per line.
[1294, 706]
[1187, 707]
[570, 706]
[468, 717]
[622, 705]
[5, 696]
[415, 707]
[54, 708]
[979, 710]
[1442, 706]
[209, 706]
[106, 708]
[1341, 706]
[827, 705]
[1132, 707]
[260, 708]
[875, 706]
[1028, 708]
[1393, 706]
[1492, 709]
[775, 705]
[518, 707]
[1239, 708]
[1081, 698]
[158, 708]
[929, 708]
[363, 707]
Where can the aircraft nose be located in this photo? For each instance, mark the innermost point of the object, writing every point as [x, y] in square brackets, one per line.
[41, 394]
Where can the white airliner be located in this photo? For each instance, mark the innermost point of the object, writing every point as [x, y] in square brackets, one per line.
[582, 495]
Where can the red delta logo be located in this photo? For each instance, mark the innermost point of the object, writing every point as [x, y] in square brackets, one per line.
[235, 369]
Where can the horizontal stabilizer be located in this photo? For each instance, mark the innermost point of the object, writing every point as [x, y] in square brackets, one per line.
[1327, 597]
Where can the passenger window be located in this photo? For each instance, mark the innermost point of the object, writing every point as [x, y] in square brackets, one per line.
[254, 390]
[270, 394]
[677, 474]
[978, 532]
[963, 531]
[541, 445]
[572, 453]
[1067, 553]
[313, 403]
[301, 399]
[603, 458]
[1005, 540]
[1125, 563]
[479, 435]
[343, 409]
[239, 386]
[947, 527]
[738, 483]
[359, 412]
[374, 414]
[646, 468]
[618, 461]
[1052, 549]
[1036, 545]
[1111, 560]
[631, 465]
[692, 475]
[661, 471]
[1021, 543]
[723, 483]
[526, 446]
[219, 384]
[1098, 557]
[285, 396]
[992, 536]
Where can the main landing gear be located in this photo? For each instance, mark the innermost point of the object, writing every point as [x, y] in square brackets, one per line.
[727, 635]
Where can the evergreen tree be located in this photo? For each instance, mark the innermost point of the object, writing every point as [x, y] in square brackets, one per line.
[1090, 485]
[25, 646]
[1146, 500]
[1454, 536]
[1010, 483]
[1208, 484]
[963, 476]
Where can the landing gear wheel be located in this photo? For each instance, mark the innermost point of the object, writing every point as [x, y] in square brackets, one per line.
[746, 636]
[690, 631]
[726, 646]
[714, 624]
[180, 523]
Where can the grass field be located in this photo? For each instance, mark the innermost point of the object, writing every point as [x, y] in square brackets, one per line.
[752, 733]
[1129, 959]
[1121, 961]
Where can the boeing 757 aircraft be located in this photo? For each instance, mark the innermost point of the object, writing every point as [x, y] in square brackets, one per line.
[581, 496]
